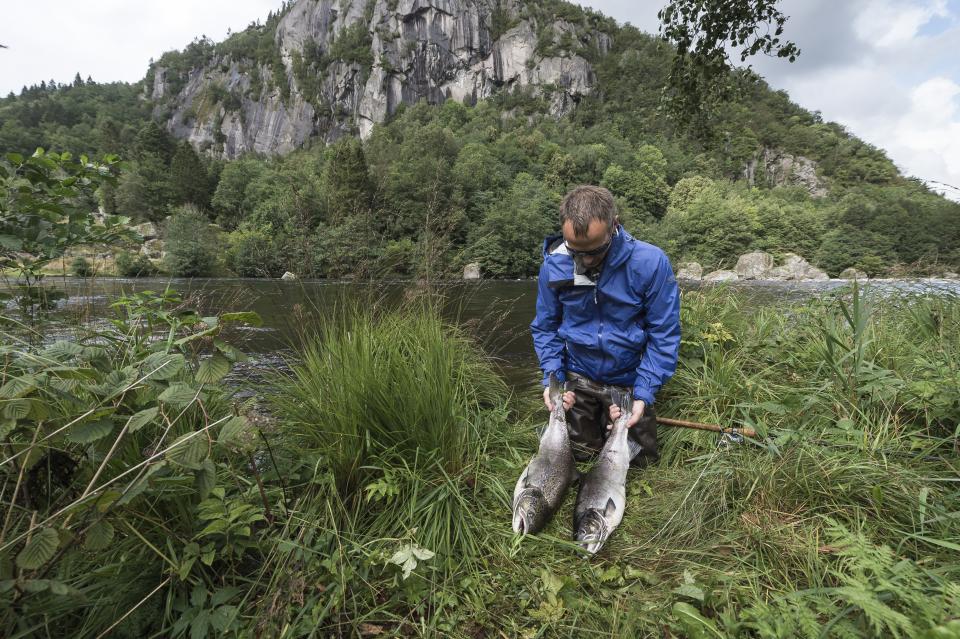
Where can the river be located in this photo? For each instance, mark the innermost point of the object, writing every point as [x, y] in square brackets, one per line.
[497, 312]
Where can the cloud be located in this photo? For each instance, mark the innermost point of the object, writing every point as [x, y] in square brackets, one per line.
[108, 39]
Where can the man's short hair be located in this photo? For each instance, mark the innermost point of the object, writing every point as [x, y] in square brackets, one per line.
[586, 203]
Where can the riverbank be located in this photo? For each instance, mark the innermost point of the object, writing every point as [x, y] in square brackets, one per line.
[840, 516]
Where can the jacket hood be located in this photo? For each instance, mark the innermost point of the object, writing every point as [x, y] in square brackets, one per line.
[619, 247]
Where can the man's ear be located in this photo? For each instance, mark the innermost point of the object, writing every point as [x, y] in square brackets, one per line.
[616, 220]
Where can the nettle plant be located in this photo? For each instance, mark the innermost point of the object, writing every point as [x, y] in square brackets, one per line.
[111, 449]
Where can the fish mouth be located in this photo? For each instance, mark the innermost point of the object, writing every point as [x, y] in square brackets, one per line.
[592, 531]
[524, 512]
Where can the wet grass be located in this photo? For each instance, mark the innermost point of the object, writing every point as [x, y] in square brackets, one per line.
[396, 447]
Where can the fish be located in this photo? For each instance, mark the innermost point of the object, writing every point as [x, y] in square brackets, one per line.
[603, 491]
[547, 477]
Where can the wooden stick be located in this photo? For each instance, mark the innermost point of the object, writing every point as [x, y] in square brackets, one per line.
[746, 430]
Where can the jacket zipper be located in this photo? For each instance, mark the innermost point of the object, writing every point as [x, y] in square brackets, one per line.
[603, 354]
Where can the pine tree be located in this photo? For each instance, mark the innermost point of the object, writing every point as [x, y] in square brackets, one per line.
[189, 177]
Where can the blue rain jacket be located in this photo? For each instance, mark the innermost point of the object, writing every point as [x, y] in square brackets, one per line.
[624, 329]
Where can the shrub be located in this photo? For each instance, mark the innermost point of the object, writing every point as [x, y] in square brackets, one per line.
[81, 267]
[190, 243]
[254, 253]
[134, 265]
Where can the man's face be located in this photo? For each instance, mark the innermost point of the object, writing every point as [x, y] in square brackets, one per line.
[598, 238]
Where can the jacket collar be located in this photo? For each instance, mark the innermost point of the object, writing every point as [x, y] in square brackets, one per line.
[560, 265]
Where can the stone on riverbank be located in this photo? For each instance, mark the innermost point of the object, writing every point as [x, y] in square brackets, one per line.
[754, 266]
[795, 267]
[153, 249]
[721, 276]
[690, 271]
[471, 271]
[853, 274]
[288, 276]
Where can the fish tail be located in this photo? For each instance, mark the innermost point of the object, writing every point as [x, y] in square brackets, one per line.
[556, 389]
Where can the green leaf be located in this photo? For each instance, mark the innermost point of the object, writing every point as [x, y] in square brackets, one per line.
[99, 536]
[206, 478]
[695, 625]
[188, 450]
[231, 352]
[140, 485]
[243, 317]
[89, 432]
[142, 418]
[39, 550]
[17, 408]
[11, 243]
[178, 394]
[213, 369]
[232, 429]
[163, 366]
[18, 387]
[62, 350]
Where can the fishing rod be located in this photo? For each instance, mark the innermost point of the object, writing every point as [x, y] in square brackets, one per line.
[746, 431]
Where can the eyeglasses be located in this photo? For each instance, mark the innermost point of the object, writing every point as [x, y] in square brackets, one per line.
[600, 250]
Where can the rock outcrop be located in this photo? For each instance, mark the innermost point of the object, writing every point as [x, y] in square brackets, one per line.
[773, 167]
[418, 49]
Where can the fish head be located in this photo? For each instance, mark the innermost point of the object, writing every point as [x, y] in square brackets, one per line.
[530, 512]
[592, 530]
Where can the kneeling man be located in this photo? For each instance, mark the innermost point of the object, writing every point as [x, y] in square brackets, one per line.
[608, 315]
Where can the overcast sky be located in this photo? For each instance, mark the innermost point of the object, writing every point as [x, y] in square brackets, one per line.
[888, 70]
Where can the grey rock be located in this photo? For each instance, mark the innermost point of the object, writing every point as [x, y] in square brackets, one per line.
[721, 276]
[471, 271]
[421, 49]
[951, 275]
[777, 168]
[795, 267]
[754, 266]
[853, 274]
[147, 230]
[690, 271]
[154, 249]
[288, 276]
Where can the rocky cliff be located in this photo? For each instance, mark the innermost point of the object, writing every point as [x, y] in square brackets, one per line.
[338, 66]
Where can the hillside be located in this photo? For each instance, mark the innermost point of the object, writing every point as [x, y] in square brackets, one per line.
[475, 116]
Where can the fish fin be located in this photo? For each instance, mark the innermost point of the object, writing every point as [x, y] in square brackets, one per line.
[611, 507]
[525, 478]
[627, 405]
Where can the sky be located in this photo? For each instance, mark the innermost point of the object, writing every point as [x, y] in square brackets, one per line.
[888, 70]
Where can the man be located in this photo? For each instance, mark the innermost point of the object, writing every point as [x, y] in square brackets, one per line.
[608, 314]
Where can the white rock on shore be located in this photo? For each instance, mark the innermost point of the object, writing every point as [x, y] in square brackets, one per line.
[721, 276]
[690, 271]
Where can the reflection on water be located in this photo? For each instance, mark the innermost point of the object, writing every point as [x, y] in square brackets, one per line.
[498, 313]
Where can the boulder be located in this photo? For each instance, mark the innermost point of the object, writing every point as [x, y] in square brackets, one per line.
[690, 271]
[852, 274]
[950, 275]
[471, 271]
[795, 267]
[288, 276]
[153, 249]
[148, 230]
[721, 276]
[754, 266]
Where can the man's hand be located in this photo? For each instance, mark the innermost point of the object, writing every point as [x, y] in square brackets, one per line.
[638, 408]
[568, 399]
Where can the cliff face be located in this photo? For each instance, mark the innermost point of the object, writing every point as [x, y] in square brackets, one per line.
[343, 65]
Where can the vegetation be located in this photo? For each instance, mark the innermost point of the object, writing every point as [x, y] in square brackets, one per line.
[191, 245]
[371, 507]
[439, 186]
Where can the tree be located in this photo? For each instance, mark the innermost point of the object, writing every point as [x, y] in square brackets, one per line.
[643, 184]
[190, 183]
[348, 188]
[702, 31]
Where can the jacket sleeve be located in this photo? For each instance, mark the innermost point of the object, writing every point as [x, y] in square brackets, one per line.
[546, 340]
[662, 325]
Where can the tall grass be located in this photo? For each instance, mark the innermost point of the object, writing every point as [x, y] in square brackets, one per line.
[399, 406]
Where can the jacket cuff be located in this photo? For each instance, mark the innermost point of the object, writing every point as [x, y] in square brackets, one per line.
[644, 394]
[560, 373]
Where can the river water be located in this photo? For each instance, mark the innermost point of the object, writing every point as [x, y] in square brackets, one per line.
[498, 313]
